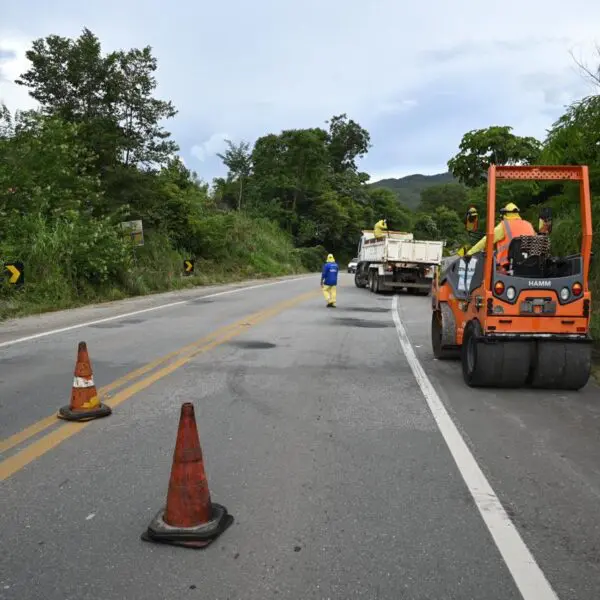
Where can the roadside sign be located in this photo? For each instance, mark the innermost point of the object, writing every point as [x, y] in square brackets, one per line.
[135, 230]
[188, 266]
[15, 273]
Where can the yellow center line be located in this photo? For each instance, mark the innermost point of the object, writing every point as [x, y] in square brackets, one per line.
[103, 392]
[49, 441]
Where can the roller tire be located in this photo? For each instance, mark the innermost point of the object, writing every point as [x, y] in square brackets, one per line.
[499, 364]
[443, 334]
[561, 365]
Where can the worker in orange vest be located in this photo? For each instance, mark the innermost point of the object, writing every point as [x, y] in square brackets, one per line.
[510, 227]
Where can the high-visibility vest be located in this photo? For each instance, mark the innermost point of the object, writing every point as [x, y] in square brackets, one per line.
[512, 228]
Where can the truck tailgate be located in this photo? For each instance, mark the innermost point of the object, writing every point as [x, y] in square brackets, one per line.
[415, 251]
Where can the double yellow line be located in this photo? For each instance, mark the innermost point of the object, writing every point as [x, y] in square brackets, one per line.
[142, 378]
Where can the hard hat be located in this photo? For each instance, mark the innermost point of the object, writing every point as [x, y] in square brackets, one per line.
[511, 207]
[472, 209]
[330, 258]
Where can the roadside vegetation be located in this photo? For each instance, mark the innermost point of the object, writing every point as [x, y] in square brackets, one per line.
[96, 154]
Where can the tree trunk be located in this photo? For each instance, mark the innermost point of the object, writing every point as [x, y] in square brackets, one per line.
[240, 194]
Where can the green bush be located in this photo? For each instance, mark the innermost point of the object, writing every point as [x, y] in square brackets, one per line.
[311, 258]
[64, 258]
[74, 261]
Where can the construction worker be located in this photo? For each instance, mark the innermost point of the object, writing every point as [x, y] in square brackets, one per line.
[510, 227]
[380, 228]
[329, 276]
[472, 219]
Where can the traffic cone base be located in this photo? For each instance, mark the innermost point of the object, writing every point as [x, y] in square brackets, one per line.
[85, 404]
[199, 537]
[190, 518]
[67, 414]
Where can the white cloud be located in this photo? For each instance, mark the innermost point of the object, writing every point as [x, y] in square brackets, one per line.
[296, 63]
[210, 147]
[386, 107]
[13, 63]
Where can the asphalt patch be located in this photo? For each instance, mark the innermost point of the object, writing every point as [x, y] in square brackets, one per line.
[366, 309]
[18, 359]
[118, 323]
[201, 301]
[347, 321]
[253, 345]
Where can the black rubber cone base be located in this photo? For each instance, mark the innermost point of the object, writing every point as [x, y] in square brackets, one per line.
[189, 537]
[100, 411]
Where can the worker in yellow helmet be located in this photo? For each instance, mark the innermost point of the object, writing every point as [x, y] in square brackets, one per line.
[510, 227]
[472, 219]
[380, 228]
[329, 278]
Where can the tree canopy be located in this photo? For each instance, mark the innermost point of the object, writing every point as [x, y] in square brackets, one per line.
[97, 152]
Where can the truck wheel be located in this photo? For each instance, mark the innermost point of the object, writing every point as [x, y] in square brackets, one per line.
[376, 283]
[443, 332]
[359, 280]
[561, 365]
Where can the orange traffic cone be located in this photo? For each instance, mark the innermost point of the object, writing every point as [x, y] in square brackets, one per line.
[190, 518]
[85, 404]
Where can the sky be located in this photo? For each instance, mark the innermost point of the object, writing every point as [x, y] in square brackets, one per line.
[417, 75]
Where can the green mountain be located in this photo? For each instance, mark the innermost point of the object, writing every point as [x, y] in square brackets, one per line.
[409, 188]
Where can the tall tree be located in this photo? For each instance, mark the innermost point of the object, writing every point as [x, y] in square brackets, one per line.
[347, 142]
[495, 145]
[238, 159]
[110, 96]
[139, 114]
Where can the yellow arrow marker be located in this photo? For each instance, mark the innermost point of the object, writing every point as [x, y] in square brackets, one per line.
[15, 273]
[188, 266]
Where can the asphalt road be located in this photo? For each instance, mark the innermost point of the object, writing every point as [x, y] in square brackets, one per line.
[355, 465]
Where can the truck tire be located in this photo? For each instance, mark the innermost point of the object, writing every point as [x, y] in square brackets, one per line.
[360, 280]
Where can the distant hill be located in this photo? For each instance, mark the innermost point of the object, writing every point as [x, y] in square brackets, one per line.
[408, 189]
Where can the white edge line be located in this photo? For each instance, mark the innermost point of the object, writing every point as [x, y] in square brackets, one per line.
[36, 336]
[527, 574]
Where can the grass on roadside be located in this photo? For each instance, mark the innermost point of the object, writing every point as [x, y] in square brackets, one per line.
[64, 269]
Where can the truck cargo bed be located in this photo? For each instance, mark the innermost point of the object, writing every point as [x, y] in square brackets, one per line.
[403, 251]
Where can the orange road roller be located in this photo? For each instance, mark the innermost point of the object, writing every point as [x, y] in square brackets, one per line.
[524, 319]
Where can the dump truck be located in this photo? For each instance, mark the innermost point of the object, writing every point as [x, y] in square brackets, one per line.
[396, 261]
[527, 323]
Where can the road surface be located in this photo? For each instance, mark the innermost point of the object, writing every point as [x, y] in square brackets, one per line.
[354, 464]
